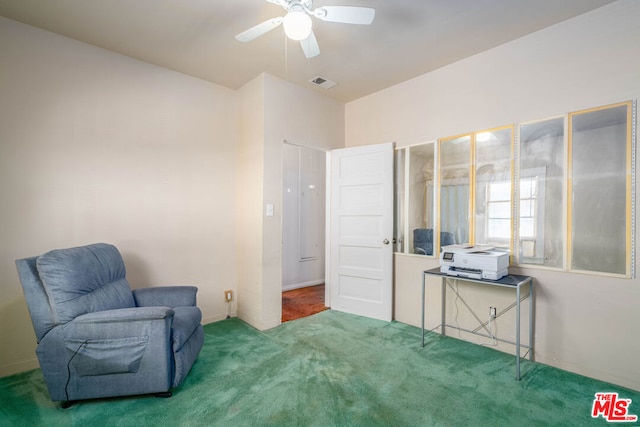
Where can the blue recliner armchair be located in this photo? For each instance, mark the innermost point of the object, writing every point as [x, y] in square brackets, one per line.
[97, 338]
[423, 240]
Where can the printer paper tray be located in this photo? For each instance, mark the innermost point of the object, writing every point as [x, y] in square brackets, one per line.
[470, 273]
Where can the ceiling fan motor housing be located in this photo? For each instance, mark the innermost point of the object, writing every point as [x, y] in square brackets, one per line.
[305, 4]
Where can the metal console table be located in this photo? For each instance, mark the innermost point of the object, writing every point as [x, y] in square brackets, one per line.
[510, 281]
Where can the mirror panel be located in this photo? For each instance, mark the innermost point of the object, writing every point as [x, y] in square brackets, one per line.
[599, 194]
[493, 191]
[421, 198]
[541, 193]
[455, 166]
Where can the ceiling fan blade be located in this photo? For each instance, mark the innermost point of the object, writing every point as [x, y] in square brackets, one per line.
[258, 30]
[346, 14]
[310, 46]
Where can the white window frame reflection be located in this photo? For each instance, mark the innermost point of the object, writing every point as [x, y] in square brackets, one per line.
[497, 222]
[532, 244]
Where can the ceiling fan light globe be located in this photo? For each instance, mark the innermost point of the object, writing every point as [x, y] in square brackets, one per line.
[297, 25]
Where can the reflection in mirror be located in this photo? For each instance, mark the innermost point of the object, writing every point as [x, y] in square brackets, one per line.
[398, 223]
[599, 192]
[540, 193]
[421, 193]
[454, 189]
[493, 224]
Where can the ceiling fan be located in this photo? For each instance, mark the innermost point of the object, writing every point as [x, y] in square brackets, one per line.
[297, 22]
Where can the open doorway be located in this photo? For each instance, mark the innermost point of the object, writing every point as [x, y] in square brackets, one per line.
[302, 302]
[303, 231]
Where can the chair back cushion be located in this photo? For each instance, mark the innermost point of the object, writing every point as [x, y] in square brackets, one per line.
[446, 239]
[83, 280]
[423, 241]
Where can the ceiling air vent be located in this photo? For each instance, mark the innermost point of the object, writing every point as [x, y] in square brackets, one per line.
[322, 82]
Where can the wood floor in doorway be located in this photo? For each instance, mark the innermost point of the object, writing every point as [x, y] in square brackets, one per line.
[302, 302]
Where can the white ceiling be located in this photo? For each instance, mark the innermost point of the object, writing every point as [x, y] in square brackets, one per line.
[196, 37]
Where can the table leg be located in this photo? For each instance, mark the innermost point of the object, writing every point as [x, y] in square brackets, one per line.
[518, 333]
[531, 319]
[444, 304]
[422, 320]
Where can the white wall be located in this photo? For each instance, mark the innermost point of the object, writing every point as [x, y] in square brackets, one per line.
[249, 176]
[96, 146]
[584, 323]
[273, 111]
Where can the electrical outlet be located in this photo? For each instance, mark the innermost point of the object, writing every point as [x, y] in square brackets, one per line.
[492, 312]
[228, 296]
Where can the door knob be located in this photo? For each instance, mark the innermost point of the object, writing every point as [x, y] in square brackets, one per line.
[385, 241]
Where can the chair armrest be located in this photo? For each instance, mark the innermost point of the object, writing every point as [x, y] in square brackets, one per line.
[124, 341]
[120, 323]
[166, 296]
[125, 315]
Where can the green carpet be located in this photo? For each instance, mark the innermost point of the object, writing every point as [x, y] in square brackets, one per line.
[333, 369]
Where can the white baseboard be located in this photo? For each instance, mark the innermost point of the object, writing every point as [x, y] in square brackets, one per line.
[217, 318]
[302, 285]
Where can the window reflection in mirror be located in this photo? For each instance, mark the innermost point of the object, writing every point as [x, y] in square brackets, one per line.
[493, 219]
[399, 198]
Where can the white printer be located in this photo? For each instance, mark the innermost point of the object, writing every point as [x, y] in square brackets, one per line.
[474, 262]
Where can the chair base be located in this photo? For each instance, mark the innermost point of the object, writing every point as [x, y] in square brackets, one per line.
[164, 394]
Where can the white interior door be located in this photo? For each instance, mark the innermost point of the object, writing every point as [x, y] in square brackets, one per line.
[361, 229]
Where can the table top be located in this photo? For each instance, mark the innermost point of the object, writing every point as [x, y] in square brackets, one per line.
[511, 280]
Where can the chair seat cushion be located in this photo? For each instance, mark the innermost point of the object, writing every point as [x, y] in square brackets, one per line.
[185, 322]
